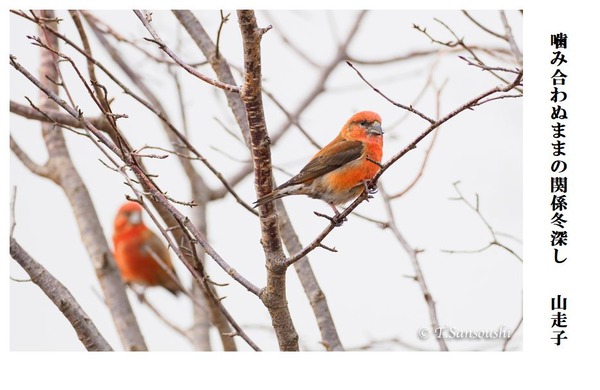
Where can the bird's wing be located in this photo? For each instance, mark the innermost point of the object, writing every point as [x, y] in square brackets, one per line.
[330, 158]
[158, 247]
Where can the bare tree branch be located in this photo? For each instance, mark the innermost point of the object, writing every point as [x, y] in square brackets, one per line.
[188, 237]
[154, 193]
[62, 172]
[274, 294]
[419, 278]
[511, 39]
[494, 240]
[407, 108]
[146, 17]
[54, 116]
[288, 42]
[427, 152]
[333, 224]
[459, 42]
[157, 109]
[197, 183]
[468, 105]
[424, 53]
[320, 84]
[170, 324]
[223, 72]
[316, 297]
[83, 325]
[319, 88]
[487, 30]
[220, 67]
[40, 170]
[105, 29]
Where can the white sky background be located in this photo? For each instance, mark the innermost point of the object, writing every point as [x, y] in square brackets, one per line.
[365, 282]
[366, 290]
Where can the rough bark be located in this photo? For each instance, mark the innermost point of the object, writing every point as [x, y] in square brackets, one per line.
[316, 297]
[274, 294]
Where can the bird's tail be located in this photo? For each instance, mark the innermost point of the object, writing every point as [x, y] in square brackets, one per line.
[174, 286]
[173, 289]
[283, 190]
[276, 194]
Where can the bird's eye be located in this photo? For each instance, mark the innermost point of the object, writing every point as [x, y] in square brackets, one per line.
[363, 123]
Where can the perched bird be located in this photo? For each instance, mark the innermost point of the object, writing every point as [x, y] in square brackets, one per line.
[338, 173]
[136, 248]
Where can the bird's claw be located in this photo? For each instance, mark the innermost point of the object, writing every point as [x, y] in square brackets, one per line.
[370, 189]
[336, 220]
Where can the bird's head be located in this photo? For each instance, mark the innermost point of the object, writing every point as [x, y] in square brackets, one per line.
[129, 214]
[364, 124]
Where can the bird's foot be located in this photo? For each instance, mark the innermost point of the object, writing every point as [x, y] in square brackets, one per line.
[139, 293]
[337, 219]
[370, 189]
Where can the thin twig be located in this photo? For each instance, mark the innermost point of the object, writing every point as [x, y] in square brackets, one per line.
[154, 192]
[488, 68]
[288, 42]
[104, 28]
[170, 324]
[468, 105]
[427, 152]
[144, 18]
[200, 277]
[511, 39]
[465, 106]
[333, 223]
[407, 108]
[481, 26]
[476, 209]
[419, 277]
[160, 114]
[310, 98]
[292, 119]
[224, 19]
[458, 42]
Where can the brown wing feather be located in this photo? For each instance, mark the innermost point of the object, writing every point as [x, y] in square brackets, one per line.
[328, 159]
[161, 250]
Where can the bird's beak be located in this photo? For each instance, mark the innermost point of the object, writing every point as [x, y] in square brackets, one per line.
[375, 129]
[135, 218]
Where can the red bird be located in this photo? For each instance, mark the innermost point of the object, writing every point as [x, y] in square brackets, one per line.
[134, 246]
[338, 173]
